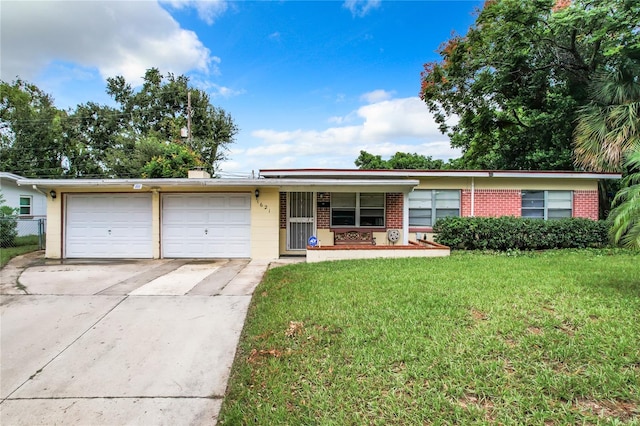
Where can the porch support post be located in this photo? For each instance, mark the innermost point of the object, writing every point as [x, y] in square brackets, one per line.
[405, 218]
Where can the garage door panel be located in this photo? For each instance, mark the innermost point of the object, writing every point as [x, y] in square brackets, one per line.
[219, 202]
[239, 202]
[108, 225]
[186, 217]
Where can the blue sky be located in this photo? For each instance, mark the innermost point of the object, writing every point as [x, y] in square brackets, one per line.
[309, 83]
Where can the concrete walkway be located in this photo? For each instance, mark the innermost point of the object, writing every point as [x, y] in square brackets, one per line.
[136, 342]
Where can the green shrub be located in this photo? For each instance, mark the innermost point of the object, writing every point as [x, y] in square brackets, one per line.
[8, 227]
[513, 233]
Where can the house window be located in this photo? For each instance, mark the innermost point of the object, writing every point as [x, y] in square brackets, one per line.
[357, 209]
[547, 204]
[25, 205]
[426, 206]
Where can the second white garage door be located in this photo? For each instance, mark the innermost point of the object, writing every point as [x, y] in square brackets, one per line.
[206, 225]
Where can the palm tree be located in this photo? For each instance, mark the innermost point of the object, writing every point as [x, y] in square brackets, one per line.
[608, 127]
[625, 217]
[607, 138]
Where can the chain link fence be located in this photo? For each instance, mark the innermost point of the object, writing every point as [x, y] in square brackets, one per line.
[16, 231]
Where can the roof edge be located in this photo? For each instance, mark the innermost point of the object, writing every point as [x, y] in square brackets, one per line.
[344, 173]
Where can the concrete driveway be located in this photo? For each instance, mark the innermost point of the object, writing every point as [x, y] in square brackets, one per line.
[135, 342]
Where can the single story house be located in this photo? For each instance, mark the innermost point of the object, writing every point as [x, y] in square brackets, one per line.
[277, 213]
[30, 204]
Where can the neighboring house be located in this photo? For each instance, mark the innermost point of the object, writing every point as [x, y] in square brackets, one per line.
[275, 215]
[29, 203]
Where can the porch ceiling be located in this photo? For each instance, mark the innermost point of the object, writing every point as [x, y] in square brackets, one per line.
[347, 185]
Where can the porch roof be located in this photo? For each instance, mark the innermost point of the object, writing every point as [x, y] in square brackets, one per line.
[289, 184]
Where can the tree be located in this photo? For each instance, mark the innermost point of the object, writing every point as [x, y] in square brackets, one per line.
[399, 161]
[402, 160]
[90, 132]
[8, 224]
[31, 139]
[161, 109]
[366, 161]
[625, 217]
[608, 127]
[174, 161]
[608, 131]
[517, 78]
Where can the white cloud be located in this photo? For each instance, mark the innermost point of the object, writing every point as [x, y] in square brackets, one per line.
[215, 90]
[360, 8]
[384, 128]
[208, 10]
[114, 37]
[376, 96]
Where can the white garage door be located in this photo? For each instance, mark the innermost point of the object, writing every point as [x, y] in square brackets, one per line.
[206, 225]
[108, 225]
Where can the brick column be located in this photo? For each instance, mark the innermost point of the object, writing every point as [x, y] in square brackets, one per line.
[585, 204]
[323, 214]
[394, 216]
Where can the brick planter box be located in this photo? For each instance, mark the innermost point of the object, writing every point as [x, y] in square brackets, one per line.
[343, 252]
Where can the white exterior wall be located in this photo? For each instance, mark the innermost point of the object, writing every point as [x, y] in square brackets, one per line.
[11, 193]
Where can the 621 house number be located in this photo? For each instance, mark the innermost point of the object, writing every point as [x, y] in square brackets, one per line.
[266, 207]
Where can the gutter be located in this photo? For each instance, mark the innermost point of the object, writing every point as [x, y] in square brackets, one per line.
[329, 173]
[164, 183]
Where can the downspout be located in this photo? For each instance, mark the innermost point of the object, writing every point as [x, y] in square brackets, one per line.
[473, 196]
[35, 187]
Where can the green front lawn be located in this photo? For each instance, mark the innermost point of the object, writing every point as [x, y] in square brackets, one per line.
[21, 245]
[543, 338]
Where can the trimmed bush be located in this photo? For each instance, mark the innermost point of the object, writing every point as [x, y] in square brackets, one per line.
[8, 227]
[514, 233]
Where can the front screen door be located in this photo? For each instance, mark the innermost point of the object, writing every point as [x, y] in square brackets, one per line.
[300, 219]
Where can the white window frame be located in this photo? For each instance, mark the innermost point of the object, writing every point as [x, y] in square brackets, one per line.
[546, 208]
[21, 206]
[359, 209]
[432, 205]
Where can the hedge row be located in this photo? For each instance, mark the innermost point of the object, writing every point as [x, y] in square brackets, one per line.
[511, 233]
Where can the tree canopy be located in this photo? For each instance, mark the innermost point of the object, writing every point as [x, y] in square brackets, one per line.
[608, 127]
[400, 160]
[31, 138]
[517, 78]
[140, 136]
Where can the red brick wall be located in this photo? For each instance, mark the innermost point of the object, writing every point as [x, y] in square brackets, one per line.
[323, 214]
[585, 204]
[492, 202]
[465, 203]
[394, 214]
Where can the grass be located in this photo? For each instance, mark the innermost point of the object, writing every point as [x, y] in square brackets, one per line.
[22, 245]
[542, 338]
